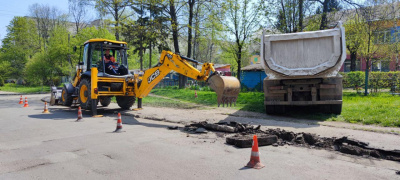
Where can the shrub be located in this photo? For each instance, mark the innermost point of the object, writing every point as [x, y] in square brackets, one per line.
[378, 80]
[355, 79]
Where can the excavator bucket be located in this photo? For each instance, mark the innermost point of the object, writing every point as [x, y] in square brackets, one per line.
[226, 87]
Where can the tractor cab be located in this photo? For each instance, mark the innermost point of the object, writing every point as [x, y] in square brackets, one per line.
[99, 52]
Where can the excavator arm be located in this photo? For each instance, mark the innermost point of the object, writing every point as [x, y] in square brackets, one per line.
[227, 88]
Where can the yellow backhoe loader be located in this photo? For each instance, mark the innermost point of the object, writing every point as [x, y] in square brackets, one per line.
[94, 83]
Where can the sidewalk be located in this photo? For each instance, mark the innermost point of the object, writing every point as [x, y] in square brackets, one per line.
[9, 93]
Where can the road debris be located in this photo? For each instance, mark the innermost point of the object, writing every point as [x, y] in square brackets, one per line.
[201, 130]
[172, 127]
[243, 133]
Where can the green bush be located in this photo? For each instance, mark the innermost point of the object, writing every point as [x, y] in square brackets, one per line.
[355, 79]
[394, 81]
[376, 80]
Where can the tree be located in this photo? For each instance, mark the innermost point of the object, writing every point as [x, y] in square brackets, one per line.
[328, 6]
[158, 28]
[77, 8]
[172, 9]
[115, 8]
[38, 71]
[190, 4]
[136, 32]
[354, 38]
[288, 16]
[373, 17]
[46, 18]
[18, 45]
[242, 20]
[393, 10]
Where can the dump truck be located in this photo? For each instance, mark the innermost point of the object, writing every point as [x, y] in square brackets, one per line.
[95, 81]
[302, 70]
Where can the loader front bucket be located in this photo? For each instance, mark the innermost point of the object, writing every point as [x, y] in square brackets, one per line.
[226, 87]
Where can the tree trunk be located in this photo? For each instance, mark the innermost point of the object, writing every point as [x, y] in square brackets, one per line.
[141, 58]
[151, 51]
[301, 15]
[353, 58]
[284, 17]
[324, 20]
[116, 22]
[196, 34]
[366, 77]
[239, 62]
[190, 25]
[174, 24]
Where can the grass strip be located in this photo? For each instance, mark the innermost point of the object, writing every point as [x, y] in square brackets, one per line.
[10, 87]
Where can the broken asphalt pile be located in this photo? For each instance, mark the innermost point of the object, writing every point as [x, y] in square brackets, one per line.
[278, 137]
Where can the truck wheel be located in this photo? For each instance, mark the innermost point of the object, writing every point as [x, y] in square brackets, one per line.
[336, 108]
[105, 100]
[66, 98]
[85, 94]
[280, 109]
[275, 109]
[125, 102]
[270, 109]
[324, 108]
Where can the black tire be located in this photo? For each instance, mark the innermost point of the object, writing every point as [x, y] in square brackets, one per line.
[85, 94]
[270, 109]
[280, 109]
[66, 98]
[336, 109]
[125, 102]
[275, 109]
[325, 108]
[105, 100]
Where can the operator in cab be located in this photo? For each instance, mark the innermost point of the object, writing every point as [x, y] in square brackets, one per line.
[113, 67]
[110, 64]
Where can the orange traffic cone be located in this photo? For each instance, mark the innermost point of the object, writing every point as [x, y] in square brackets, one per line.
[26, 102]
[79, 115]
[45, 108]
[119, 124]
[255, 156]
[195, 94]
[20, 100]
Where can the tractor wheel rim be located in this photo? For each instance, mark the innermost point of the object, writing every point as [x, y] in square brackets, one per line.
[63, 96]
[82, 96]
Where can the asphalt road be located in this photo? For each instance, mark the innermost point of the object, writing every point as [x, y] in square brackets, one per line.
[53, 146]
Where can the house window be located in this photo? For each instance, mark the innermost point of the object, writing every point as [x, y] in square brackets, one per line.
[382, 37]
[381, 65]
[347, 65]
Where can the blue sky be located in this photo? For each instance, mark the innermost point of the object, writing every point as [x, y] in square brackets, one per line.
[11, 8]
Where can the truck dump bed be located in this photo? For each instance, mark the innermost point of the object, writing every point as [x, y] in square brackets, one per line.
[302, 70]
[306, 54]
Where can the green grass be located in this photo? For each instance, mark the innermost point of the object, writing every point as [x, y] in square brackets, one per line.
[161, 102]
[250, 101]
[10, 87]
[378, 108]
